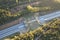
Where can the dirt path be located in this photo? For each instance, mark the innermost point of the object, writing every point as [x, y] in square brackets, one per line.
[21, 7]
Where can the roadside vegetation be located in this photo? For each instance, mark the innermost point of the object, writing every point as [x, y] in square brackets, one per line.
[49, 31]
[58, 1]
[37, 9]
[7, 16]
[8, 4]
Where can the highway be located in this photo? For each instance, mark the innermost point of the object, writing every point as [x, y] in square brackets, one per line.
[47, 17]
[21, 27]
[11, 30]
[50, 16]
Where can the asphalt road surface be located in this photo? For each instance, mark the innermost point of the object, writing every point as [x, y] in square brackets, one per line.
[21, 27]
